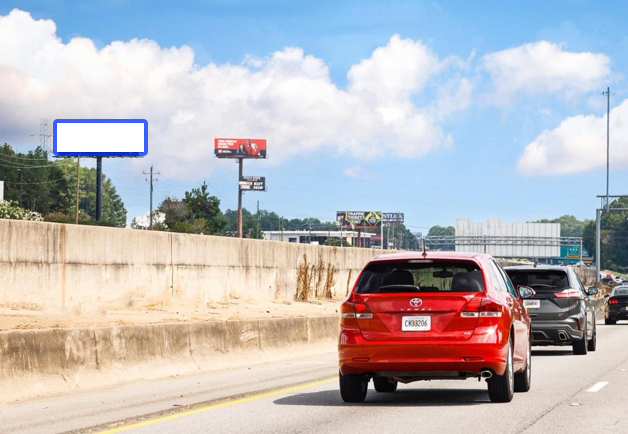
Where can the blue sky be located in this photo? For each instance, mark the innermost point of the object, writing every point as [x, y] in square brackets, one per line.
[472, 166]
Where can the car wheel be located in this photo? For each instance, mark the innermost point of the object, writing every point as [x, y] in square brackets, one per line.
[501, 387]
[353, 388]
[609, 321]
[523, 379]
[580, 347]
[384, 385]
[592, 345]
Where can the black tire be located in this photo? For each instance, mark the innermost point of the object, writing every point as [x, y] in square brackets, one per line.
[353, 388]
[501, 387]
[384, 385]
[523, 379]
[609, 321]
[580, 347]
[592, 344]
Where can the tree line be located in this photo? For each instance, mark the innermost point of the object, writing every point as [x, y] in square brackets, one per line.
[48, 187]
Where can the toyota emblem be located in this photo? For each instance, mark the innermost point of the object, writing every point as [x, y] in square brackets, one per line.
[416, 302]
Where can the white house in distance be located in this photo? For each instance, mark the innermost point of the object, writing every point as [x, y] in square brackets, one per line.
[319, 237]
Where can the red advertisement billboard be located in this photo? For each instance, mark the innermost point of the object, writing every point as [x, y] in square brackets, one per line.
[240, 148]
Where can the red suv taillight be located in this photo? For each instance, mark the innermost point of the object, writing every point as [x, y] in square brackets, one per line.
[482, 308]
[568, 293]
[353, 310]
[612, 301]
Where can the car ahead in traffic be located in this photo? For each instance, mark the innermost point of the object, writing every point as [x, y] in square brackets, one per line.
[616, 305]
[433, 316]
[561, 310]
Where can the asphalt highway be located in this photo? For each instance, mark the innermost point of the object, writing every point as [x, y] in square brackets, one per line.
[570, 394]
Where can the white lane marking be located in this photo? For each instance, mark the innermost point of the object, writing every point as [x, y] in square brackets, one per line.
[598, 386]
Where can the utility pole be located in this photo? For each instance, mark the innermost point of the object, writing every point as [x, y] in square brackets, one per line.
[281, 227]
[78, 180]
[258, 219]
[151, 173]
[19, 171]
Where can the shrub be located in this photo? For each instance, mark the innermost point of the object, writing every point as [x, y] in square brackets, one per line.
[10, 210]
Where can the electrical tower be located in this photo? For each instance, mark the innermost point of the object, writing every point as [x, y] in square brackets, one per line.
[151, 173]
[44, 135]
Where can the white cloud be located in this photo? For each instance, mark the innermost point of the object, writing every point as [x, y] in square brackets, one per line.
[578, 144]
[287, 98]
[543, 67]
[353, 172]
[454, 96]
[395, 71]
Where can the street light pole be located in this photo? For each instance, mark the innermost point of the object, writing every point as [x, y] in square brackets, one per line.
[608, 141]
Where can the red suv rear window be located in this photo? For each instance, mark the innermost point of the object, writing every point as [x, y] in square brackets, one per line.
[403, 277]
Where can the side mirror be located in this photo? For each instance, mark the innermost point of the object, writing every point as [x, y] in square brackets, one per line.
[526, 292]
[606, 295]
[592, 291]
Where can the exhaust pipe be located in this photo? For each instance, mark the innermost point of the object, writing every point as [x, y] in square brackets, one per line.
[562, 335]
[486, 374]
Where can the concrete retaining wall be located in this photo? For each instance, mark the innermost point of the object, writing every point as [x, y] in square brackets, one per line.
[84, 268]
[43, 362]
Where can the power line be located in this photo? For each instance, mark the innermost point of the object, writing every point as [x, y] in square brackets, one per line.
[36, 183]
[16, 165]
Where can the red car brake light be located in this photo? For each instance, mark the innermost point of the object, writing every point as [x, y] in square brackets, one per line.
[483, 308]
[568, 293]
[612, 301]
[351, 311]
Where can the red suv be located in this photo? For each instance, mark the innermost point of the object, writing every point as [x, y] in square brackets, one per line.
[434, 316]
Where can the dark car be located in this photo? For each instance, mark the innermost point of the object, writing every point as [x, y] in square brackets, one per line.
[616, 305]
[561, 310]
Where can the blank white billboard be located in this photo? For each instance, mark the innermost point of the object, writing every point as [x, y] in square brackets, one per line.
[498, 228]
[100, 137]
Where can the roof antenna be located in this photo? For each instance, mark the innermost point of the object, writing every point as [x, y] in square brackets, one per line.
[424, 248]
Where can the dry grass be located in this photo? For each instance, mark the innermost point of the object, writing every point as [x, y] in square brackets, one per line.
[315, 280]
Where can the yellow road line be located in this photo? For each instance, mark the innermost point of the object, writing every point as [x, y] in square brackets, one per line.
[217, 406]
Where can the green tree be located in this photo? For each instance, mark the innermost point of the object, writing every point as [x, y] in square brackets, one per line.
[205, 209]
[249, 224]
[113, 210]
[570, 226]
[442, 230]
[45, 188]
[449, 231]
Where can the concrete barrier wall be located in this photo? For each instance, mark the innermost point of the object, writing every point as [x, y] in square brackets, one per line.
[44, 362]
[84, 268]
[587, 275]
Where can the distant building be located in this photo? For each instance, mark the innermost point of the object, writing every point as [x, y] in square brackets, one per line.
[319, 237]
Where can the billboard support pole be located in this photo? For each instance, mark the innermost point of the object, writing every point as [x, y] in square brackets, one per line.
[381, 231]
[78, 180]
[99, 189]
[239, 198]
